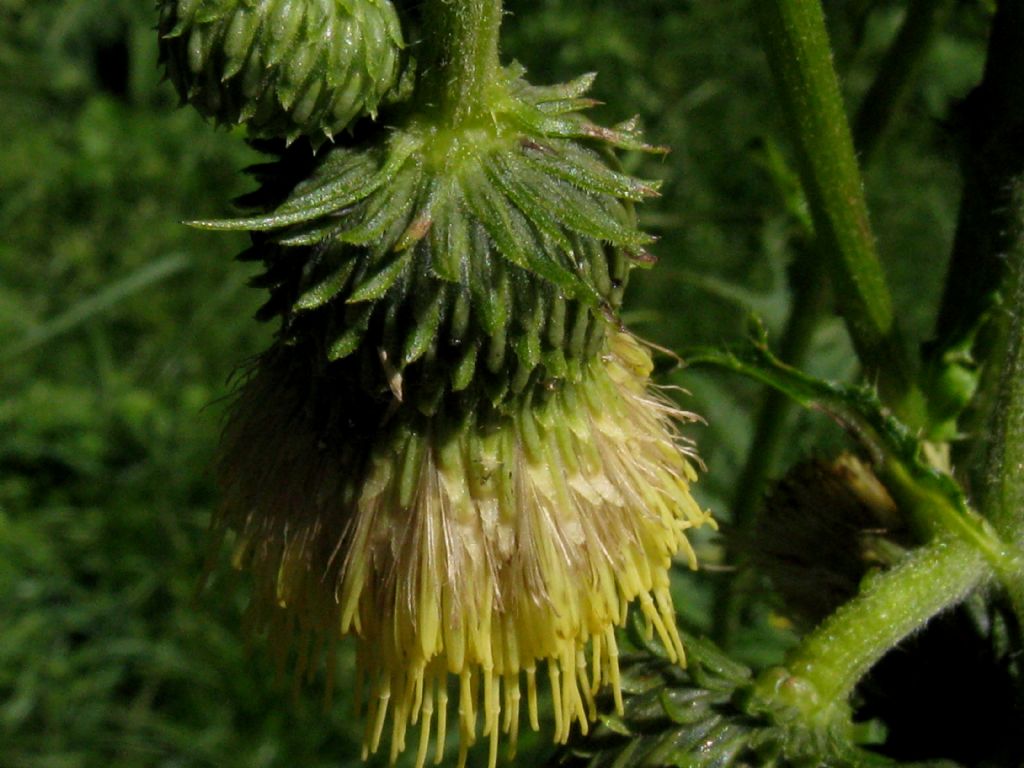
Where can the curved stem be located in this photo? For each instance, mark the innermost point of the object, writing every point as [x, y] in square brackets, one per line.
[809, 295]
[881, 104]
[834, 658]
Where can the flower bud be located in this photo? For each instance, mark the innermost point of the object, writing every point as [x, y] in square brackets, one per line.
[285, 68]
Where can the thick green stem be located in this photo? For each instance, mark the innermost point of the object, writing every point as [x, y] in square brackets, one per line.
[797, 45]
[833, 659]
[991, 125]
[1004, 494]
[461, 63]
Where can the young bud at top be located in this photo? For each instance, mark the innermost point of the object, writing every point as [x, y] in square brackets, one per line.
[285, 68]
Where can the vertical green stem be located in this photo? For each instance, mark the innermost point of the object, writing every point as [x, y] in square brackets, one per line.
[797, 45]
[1006, 506]
[834, 658]
[1004, 494]
[991, 126]
[461, 63]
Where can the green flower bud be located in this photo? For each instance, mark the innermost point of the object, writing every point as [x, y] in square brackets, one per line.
[286, 68]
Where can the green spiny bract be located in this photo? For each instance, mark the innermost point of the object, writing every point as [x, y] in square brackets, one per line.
[482, 262]
[706, 716]
[286, 68]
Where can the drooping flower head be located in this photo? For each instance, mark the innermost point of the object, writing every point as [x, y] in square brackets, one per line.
[486, 550]
[452, 451]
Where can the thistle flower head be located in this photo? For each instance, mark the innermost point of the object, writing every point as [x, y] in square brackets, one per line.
[489, 550]
[452, 452]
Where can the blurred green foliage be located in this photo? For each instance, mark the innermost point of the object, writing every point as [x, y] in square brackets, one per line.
[120, 329]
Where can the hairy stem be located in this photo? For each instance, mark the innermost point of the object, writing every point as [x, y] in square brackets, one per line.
[461, 62]
[963, 554]
[834, 658]
[1004, 492]
[991, 125]
[797, 46]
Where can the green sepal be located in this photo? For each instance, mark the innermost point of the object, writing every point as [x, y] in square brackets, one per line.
[349, 341]
[427, 320]
[449, 238]
[532, 109]
[377, 283]
[463, 370]
[587, 170]
[516, 240]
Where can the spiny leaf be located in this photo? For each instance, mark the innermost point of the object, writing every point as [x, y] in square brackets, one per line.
[384, 208]
[357, 174]
[574, 126]
[326, 289]
[428, 318]
[506, 226]
[518, 242]
[503, 172]
[581, 167]
[342, 169]
[579, 211]
[349, 341]
[540, 94]
[704, 717]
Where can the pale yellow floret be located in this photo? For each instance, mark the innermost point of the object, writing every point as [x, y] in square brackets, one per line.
[470, 559]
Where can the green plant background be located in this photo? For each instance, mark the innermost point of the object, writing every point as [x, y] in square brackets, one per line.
[120, 329]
